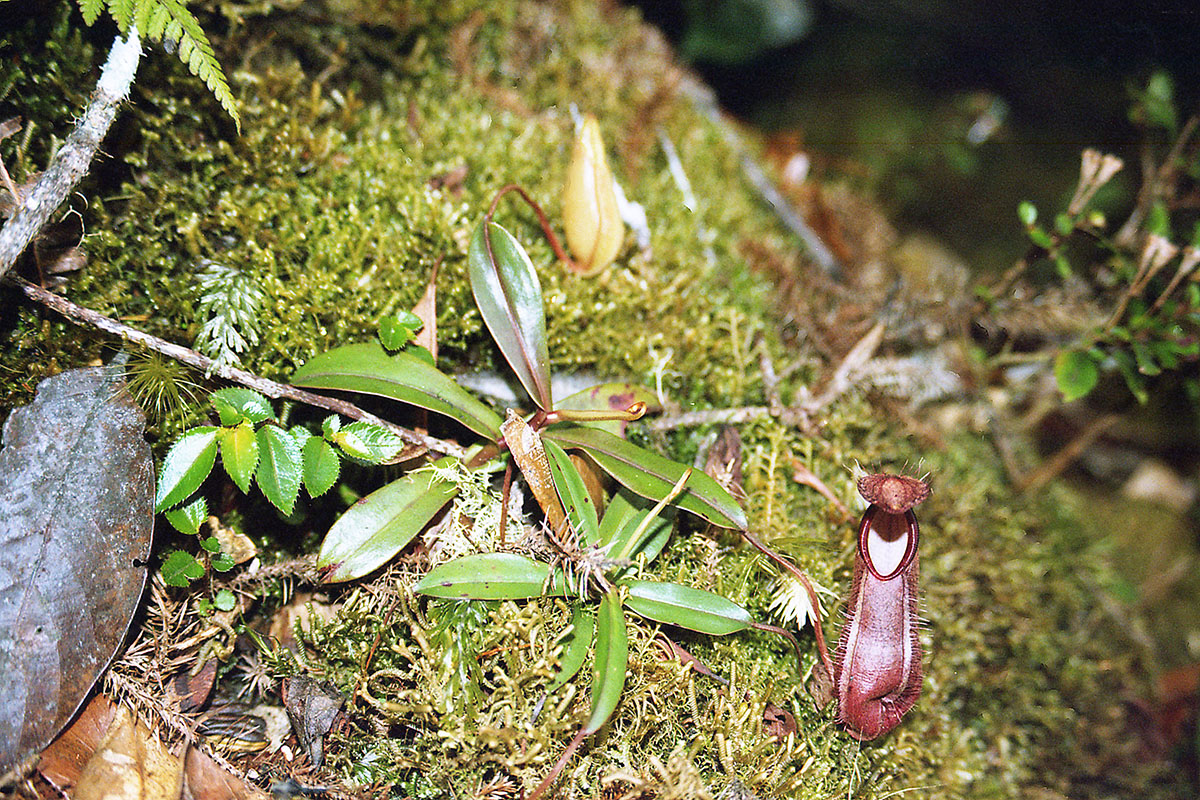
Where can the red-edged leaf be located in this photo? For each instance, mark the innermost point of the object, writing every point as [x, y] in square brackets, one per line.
[510, 298]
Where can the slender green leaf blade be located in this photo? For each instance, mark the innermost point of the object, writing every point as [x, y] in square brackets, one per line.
[187, 464]
[581, 511]
[279, 467]
[618, 512]
[367, 368]
[321, 466]
[509, 297]
[487, 576]
[380, 525]
[612, 658]
[239, 454]
[686, 607]
[575, 644]
[652, 475]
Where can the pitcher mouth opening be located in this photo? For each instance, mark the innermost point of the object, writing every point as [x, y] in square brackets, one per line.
[912, 533]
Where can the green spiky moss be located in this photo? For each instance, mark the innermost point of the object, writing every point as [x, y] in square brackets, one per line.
[326, 202]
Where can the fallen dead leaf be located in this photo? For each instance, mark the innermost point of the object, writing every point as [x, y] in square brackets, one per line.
[130, 764]
[204, 779]
[63, 761]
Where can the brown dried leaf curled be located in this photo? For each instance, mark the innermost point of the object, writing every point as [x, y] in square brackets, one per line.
[76, 514]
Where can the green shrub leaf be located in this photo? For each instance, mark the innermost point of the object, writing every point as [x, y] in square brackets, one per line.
[488, 576]
[509, 297]
[188, 463]
[279, 467]
[612, 658]
[651, 475]
[686, 607]
[367, 368]
[239, 454]
[321, 466]
[180, 568]
[397, 330]
[235, 404]
[380, 525]
[187, 519]
[1076, 374]
[368, 442]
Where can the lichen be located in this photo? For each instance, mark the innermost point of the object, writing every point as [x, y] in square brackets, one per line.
[327, 200]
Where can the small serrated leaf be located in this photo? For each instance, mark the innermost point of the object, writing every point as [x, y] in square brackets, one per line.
[91, 10]
[234, 404]
[181, 568]
[321, 466]
[279, 467]
[368, 442]
[224, 600]
[188, 463]
[239, 454]
[187, 519]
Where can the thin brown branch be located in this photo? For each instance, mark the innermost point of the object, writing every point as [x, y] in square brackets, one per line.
[1057, 463]
[85, 316]
[73, 159]
[813, 600]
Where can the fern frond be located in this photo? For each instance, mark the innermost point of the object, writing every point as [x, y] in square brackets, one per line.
[230, 302]
[91, 9]
[170, 19]
[194, 49]
[122, 13]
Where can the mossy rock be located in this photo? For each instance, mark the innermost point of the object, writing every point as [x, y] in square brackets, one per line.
[333, 201]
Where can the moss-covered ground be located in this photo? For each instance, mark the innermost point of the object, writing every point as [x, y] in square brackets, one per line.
[332, 200]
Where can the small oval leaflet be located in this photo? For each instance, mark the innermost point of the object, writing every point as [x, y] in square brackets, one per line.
[76, 514]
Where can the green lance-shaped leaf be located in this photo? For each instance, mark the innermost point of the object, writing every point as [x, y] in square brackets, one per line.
[380, 525]
[279, 467]
[686, 607]
[239, 453]
[187, 464]
[581, 511]
[509, 297]
[367, 368]
[575, 644]
[235, 404]
[652, 475]
[1076, 374]
[321, 466]
[612, 657]
[490, 576]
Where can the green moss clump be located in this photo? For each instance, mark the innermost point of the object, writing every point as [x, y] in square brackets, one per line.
[334, 201]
